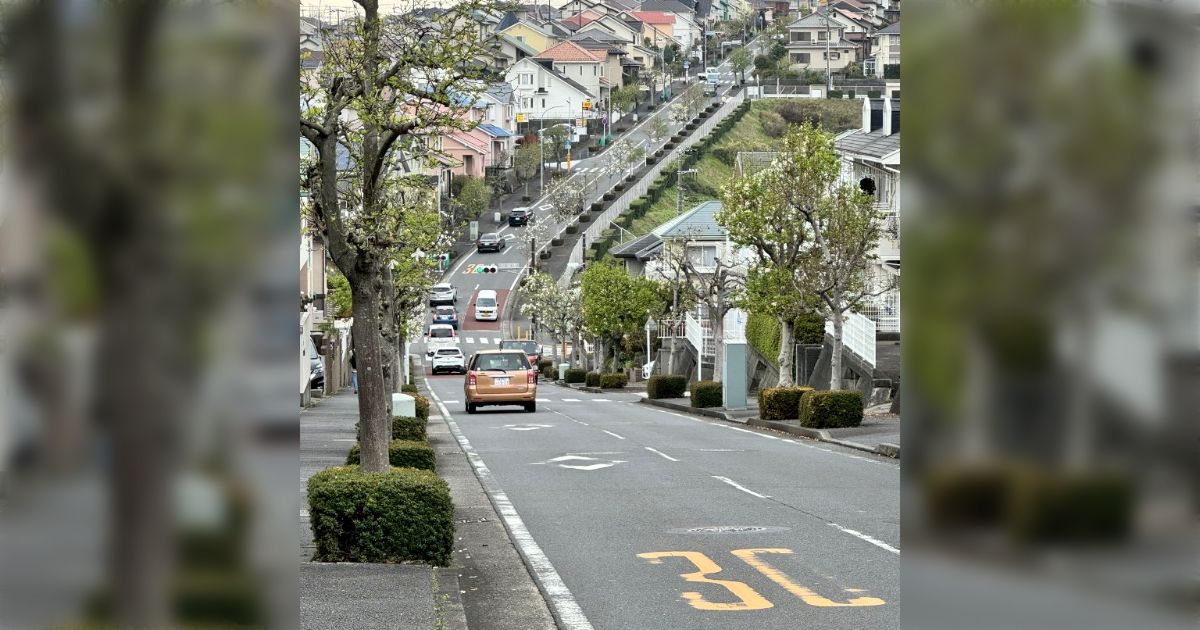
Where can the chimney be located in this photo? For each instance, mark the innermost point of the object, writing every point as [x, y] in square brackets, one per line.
[866, 115]
[887, 116]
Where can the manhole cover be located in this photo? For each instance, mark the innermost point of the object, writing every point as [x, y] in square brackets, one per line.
[727, 529]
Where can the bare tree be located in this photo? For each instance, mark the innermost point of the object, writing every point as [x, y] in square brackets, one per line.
[715, 282]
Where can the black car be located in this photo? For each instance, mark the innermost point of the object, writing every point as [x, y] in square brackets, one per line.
[520, 216]
[490, 242]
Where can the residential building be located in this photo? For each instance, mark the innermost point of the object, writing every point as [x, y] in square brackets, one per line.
[870, 159]
[577, 63]
[509, 50]
[887, 52]
[658, 29]
[542, 96]
[814, 36]
[602, 46]
[686, 29]
[531, 34]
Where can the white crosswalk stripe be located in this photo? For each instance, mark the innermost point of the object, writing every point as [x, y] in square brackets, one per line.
[469, 339]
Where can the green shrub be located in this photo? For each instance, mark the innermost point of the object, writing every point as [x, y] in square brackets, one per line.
[835, 94]
[831, 409]
[707, 394]
[571, 229]
[408, 428]
[408, 389]
[583, 218]
[592, 379]
[666, 386]
[613, 380]
[967, 496]
[780, 403]
[1073, 507]
[544, 363]
[555, 242]
[809, 329]
[545, 255]
[422, 406]
[549, 372]
[873, 93]
[575, 375]
[773, 125]
[401, 515]
[402, 454]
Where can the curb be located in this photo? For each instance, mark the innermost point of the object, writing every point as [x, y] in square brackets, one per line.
[711, 413]
[447, 600]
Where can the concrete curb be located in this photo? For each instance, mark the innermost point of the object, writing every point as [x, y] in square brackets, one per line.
[447, 600]
[711, 413]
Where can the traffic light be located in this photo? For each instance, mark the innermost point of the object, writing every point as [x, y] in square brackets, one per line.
[489, 269]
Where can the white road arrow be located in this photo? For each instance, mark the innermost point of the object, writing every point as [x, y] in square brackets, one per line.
[599, 463]
[526, 427]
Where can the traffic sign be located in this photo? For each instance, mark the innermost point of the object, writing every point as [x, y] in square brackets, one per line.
[520, 118]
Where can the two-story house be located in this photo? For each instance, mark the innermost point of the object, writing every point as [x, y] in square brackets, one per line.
[686, 28]
[543, 96]
[658, 29]
[604, 46]
[578, 64]
[870, 160]
[886, 52]
[531, 34]
[814, 37]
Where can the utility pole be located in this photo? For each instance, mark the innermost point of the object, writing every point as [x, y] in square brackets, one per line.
[828, 35]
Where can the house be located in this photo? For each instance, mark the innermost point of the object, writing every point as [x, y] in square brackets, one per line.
[685, 29]
[499, 122]
[579, 20]
[886, 58]
[870, 159]
[575, 62]
[509, 50]
[531, 34]
[606, 46]
[658, 29]
[811, 35]
[543, 96]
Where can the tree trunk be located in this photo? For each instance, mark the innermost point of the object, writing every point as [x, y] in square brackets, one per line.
[373, 400]
[671, 357]
[835, 355]
[718, 328]
[787, 335]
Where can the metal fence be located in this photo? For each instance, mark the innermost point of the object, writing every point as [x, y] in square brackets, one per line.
[621, 203]
[858, 336]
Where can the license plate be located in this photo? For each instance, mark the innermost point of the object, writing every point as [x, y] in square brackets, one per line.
[501, 380]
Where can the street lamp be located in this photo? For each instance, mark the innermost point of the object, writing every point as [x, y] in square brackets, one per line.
[542, 142]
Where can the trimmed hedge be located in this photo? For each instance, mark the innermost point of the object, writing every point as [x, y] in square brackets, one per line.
[597, 207]
[409, 428]
[408, 389]
[967, 496]
[422, 405]
[545, 255]
[571, 229]
[583, 218]
[780, 403]
[592, 379]
[548, 371]
[835, 94]
[707, 394]
[613, 380]
[831, 409]
[1058, 507]
[402, 454]
[555, 242]
[575, 375]
[666, 386]
[401, 515]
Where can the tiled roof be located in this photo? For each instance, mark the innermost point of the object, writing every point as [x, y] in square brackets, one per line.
[815, 20]
[567, 51]
[580, 20]
[874, 144]
[698, 223]
[892, 29]
[654, 17]
[639, 247]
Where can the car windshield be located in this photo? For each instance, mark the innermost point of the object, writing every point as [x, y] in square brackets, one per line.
[486, 302]
[490, 236]
[448, 352]
[441, 333]
[530, 347]
[519, 212]
[441, 288]
[502, 361]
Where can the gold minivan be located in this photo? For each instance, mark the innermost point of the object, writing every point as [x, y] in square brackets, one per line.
[500, 377]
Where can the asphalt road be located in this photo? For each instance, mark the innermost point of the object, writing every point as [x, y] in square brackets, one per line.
[656, 520]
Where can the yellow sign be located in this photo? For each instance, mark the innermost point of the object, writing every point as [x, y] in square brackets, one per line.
[587, 105]
[520, 118]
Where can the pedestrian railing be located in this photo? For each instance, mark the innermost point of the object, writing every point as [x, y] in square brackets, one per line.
[700, 335]
[620, 204]
[858, 336]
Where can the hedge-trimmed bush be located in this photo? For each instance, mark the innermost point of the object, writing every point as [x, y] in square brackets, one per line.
[613, 380]
[402, 454]
[835, 94]
[422, 406]
[650, 160]
[1080, 507]
[545, 255]
[609, 196]
[967, 496]
[556, 241]
[597, 207]
[874, 93]
[408, 428]
[707, 394]
[526, 198]
[575, 375]
[592, 379]
[571, 229]
[545, 363]
[548, 372]
[408, 389]
[780, 403]
[831, 409]
[583, 218]
[666, 386]
[620, 187]
[401, 515]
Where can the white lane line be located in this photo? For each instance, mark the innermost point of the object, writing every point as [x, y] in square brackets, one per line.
[662, 454]
[570, 616]
[452, 402]
[476, 288]
[570, 400]
[542, 399]
[619, 437]
[740, 487]
[600, 400]
[862, 536]
[344, 440]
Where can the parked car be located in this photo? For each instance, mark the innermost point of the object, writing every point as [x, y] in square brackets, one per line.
[446, 315]
[440, 336]
[443, 293]
[532, 349]
[486, 307]
[520, 216]
[316, 367]
[500, 377]
[449, 359]
[490, 242]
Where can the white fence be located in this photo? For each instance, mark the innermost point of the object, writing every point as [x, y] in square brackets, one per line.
[884, 310]
[639, 188]
[699, 331]
[858, 336]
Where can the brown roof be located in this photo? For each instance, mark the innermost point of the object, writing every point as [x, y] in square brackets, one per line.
[567, 51]
[654, 17]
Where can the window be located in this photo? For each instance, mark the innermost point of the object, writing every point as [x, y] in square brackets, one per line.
[543, 103]
[832, 55]
[801, 57]
[499, 361]
[521, 38]
[821, 36]
[526, 102]
[525, 78]
[703, 256]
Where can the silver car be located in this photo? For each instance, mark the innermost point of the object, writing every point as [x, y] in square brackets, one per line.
[443, 293]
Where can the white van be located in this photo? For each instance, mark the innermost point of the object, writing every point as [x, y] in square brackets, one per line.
[487, 309]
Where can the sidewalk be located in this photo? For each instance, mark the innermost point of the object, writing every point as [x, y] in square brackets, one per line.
[879, 432]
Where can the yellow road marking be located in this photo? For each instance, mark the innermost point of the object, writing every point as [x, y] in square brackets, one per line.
[750, 599]
[750, 557]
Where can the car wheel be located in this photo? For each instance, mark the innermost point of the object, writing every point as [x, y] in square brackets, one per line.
[470, 407]
[531, 407]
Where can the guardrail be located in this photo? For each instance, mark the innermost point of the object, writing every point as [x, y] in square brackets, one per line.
[858, 336]
[699, 331]
[621, 203]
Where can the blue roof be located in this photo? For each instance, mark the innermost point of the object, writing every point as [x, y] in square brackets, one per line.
[699, 223]
[494, 131]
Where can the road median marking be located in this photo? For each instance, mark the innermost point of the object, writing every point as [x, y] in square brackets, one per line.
[740, 486]
[866, 537]
[661, 454]
[619, 437]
